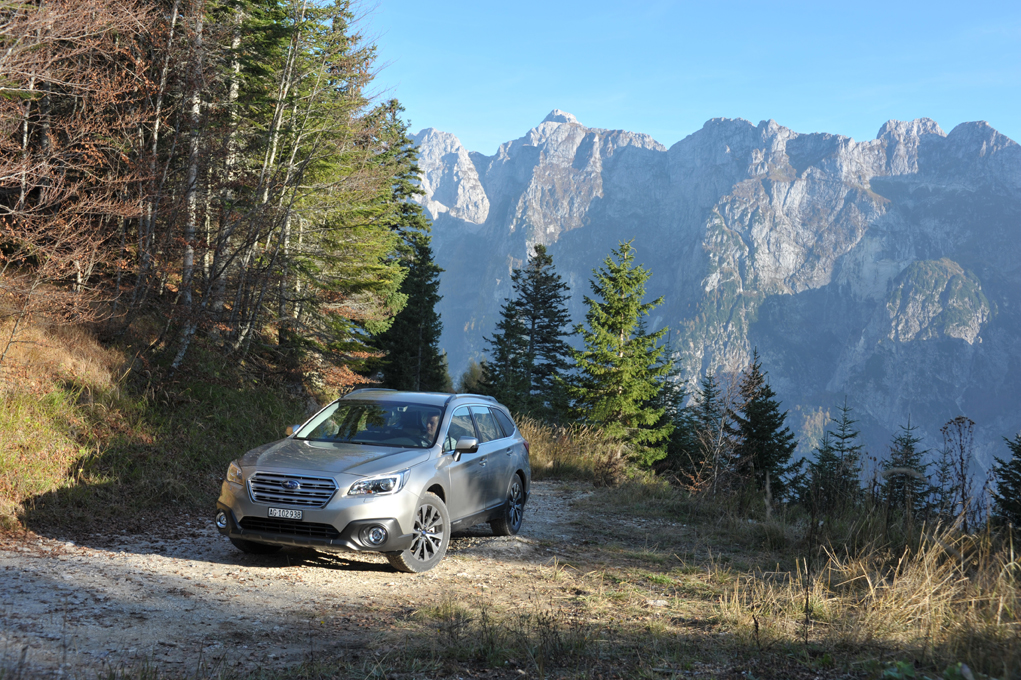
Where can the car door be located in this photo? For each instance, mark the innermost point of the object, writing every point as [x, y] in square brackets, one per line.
[468, 493]
[495, 461]
[513, 454]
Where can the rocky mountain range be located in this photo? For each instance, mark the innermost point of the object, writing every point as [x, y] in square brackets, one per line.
[887, 271]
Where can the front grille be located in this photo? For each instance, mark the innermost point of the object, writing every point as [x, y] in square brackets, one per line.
[312, 492]
[289, 527]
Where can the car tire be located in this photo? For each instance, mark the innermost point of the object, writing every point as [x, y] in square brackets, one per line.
[431, 537]
[509, 521]
[253, 548]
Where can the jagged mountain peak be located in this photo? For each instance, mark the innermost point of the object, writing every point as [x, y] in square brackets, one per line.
[884, 269]
[899, 129]
[431, 138]
[980, 135]
[558, 116]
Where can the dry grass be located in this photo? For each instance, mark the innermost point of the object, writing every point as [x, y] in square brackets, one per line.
[80, 444]
[953, 599]
[856, 602]
[43, 354]
[46, 377]
[571, 452]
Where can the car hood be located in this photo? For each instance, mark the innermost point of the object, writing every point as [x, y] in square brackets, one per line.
[332, 458]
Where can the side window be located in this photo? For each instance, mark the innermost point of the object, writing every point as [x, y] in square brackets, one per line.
[460, 426]
[505, 422]
[488, 429]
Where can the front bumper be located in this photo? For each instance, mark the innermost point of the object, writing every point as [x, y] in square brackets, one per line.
[332, 528]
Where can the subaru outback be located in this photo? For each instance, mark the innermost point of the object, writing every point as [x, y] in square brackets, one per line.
[384, 471]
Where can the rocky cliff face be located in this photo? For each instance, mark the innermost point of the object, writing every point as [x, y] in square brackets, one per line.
[888, 270]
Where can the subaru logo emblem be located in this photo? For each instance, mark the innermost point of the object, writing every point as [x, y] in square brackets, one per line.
[291, 485]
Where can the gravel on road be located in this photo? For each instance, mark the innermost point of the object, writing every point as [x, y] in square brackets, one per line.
[182, 598]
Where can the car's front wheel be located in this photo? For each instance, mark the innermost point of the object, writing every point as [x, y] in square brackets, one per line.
[253, 548]
[509, 522]
[431, 537]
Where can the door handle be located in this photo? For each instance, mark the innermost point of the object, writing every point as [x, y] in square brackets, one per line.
[509, 452]
[482, 462]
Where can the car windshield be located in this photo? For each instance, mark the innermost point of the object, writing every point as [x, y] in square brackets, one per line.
[377, 423]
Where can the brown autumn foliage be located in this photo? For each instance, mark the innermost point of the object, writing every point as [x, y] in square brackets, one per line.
[71, 104]
[213, 165]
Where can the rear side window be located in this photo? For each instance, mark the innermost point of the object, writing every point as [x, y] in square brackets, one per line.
[460, 426]
[488, 429]
[505, 422]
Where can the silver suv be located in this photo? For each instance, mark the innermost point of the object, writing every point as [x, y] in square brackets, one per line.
[384, 471]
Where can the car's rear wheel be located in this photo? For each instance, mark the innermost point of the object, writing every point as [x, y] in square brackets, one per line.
[509, 522]
[431, 537]
[253, 548]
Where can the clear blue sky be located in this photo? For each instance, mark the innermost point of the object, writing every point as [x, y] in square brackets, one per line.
[489, 70]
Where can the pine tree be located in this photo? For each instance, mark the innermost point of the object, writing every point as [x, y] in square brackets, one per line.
[620, 369]
[1007, 496]
[543, 296]
[506, 376]
[906, 486]
[944, 491]
[529, 355]
[764, 442]
[671, 397]
[824, 472]
[848, 451]
[701, 445]
[413, 359]
[682, 450]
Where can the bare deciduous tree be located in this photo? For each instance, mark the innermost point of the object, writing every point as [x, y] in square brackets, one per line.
[71, 101]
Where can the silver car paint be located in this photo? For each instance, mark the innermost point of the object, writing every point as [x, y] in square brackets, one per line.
[475, 477]
[333, 458]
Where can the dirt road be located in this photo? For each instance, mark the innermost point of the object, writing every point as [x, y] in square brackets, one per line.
[184, 598]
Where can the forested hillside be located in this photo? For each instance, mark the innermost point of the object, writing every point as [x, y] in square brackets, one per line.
[215, 166]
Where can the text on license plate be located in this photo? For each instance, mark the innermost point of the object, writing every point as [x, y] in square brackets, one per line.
[285, 514]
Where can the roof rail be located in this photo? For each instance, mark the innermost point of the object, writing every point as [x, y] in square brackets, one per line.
[370, 389]
[478, 396]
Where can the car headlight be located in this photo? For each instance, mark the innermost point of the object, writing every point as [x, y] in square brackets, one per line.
[379, 486]
[234, 474]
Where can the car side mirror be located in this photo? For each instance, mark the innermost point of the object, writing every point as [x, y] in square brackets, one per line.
[465, 445]
[291, 429]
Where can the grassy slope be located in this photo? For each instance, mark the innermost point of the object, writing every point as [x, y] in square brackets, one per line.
[83, 445]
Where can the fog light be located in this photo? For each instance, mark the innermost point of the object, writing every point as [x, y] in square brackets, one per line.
[375, 535]
[221, 520]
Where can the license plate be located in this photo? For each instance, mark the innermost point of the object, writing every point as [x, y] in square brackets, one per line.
[285, 514]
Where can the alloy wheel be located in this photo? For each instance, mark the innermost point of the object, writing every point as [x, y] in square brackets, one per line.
[429, 532]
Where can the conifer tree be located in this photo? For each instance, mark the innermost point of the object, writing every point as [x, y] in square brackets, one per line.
[906, 486]
[682, 447]
[1007, 496]
[713, 446]
[505, 370]
[413, 358]
[823, 472]
[944, 491]
[835, 472]
[543, 297]
[620, 369]
[764, 442]
[529, 355]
